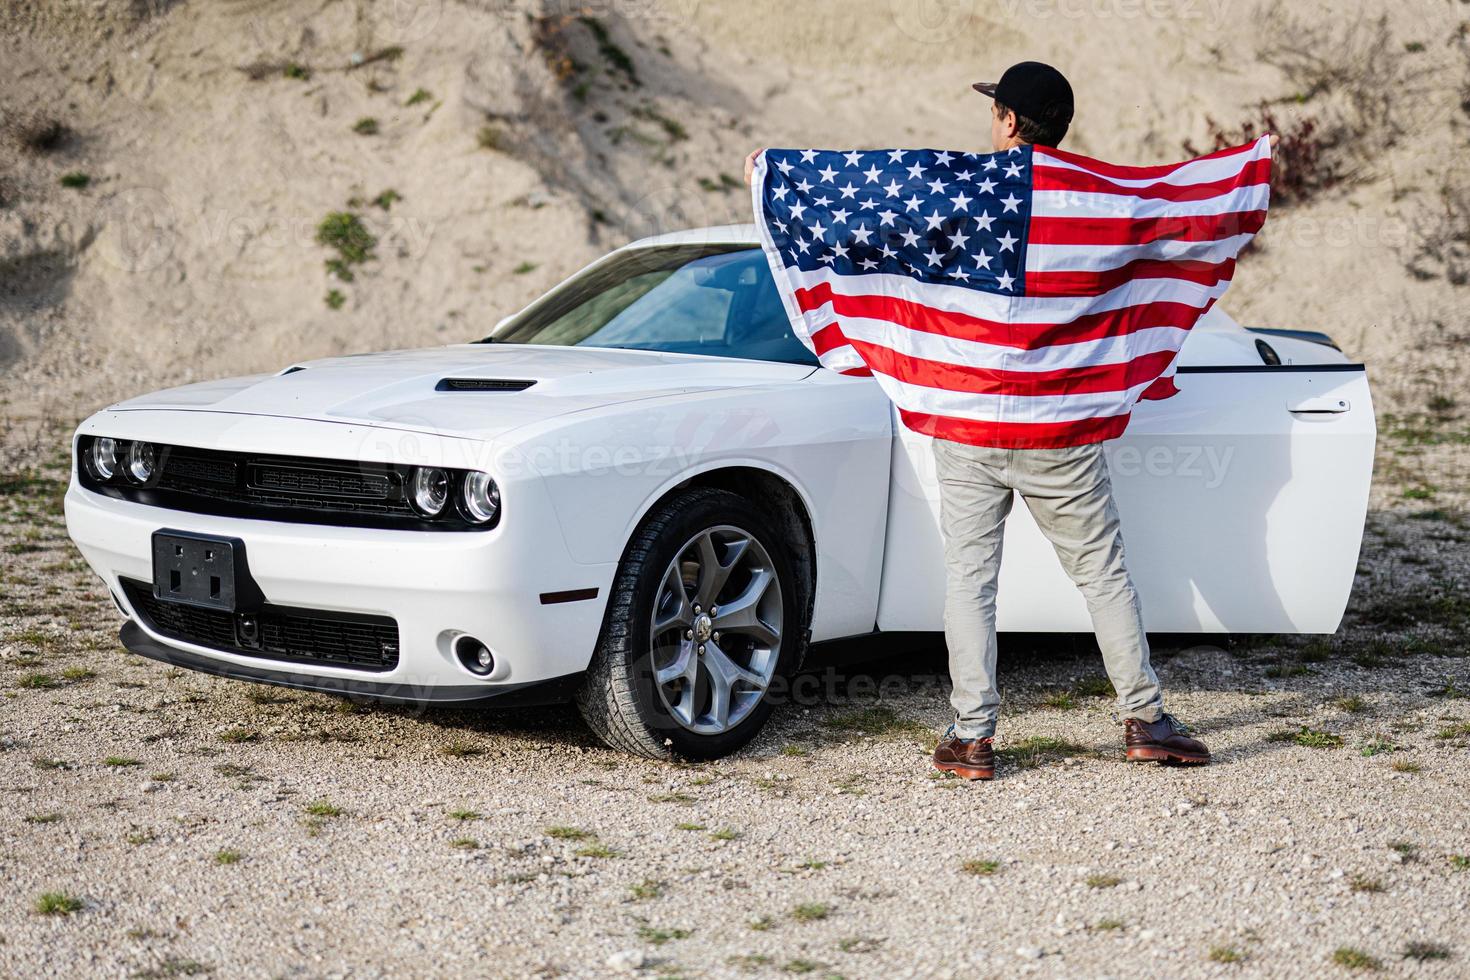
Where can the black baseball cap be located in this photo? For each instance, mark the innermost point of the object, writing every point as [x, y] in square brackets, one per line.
[1033, 90]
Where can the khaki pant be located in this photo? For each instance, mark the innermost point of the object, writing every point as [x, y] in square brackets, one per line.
[1071, 499]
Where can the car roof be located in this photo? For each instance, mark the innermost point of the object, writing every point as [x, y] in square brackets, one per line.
[713, 235]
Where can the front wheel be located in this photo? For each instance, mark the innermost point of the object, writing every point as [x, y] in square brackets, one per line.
[702, 619]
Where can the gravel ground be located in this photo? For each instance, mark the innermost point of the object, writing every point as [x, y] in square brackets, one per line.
[198, 826]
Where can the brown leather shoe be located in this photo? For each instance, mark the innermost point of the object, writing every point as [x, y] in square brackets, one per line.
[968, 758]
[1165, 740]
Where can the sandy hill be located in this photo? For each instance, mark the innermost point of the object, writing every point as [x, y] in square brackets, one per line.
[165, 167]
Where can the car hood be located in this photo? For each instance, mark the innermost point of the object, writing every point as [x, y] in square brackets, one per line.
[407, 390]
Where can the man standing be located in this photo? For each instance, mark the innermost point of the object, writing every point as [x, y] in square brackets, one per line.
[873, 306]
[1069, 495]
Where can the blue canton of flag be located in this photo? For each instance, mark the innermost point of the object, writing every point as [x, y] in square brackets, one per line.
[936, 216]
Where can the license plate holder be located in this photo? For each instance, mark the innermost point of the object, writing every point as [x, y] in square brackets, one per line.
[201, 570]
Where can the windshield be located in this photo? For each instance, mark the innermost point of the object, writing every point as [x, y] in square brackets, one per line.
[683, 299]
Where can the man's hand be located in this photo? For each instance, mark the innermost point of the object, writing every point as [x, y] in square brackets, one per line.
[750, 165]
[1274, 140]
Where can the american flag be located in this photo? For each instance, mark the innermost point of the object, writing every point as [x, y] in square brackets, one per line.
[1022, 299]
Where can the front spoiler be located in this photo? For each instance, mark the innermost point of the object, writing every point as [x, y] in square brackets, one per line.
[551, 691]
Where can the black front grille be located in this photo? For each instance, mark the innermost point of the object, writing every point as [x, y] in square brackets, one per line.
[269, 481]
[274, 632]
[283, 488]
[319, 482]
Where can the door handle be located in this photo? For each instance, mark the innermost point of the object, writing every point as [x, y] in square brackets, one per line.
[1319, 406]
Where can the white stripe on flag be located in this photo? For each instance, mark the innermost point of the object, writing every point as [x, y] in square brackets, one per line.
[1088, 204]
[1194, 172]
[1096, 258]
[971, 353]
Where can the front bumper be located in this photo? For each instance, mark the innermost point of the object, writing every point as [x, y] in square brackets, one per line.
[137, 640]
[435, 586]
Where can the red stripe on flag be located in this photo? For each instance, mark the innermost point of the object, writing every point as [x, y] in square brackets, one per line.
[1160, 389]
[828, 339]
[1063, 179]
[948, 376]
[1095, 283]
[1133, 173]
[1142, 231]
[1016, 435]
[1022, 336]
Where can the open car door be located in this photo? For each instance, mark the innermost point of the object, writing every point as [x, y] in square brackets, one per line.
[1242, 499]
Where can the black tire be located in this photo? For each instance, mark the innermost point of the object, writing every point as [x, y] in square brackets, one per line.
[618, 697]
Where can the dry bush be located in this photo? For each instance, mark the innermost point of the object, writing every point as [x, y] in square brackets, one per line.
[1443, 247]
[1303, 163]
[36, 132]
[1350, 76]
[1355, 59]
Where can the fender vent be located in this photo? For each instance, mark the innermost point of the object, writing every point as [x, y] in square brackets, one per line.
[482, 384]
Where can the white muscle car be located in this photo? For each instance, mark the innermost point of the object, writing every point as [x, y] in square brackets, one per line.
[642, 493]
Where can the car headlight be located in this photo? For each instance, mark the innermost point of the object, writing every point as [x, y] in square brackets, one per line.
[101, 457]
[480, 497]
[142, 461]
[429, 490]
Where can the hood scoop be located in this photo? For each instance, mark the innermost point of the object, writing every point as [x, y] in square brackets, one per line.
[483, 384]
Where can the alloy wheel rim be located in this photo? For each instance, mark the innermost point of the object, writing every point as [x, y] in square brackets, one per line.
[716, 630]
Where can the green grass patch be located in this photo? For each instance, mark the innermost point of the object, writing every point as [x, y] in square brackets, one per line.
[811, 911]
[419, 95]
[76, 180]
[1351, 958]
[324, 809]
[596, 850]
[1377, 745]
[1103, 881]
[1038, 750]
[878, 721]
[460, 749]
[227, 855]
[980, 866]
[345, 233]
[657, 936]
[646, 889]
[1309, 737]
[1226, 954]
[366, 126]
[120, 762]
[569, 833]
[37, 682]
[58, 903]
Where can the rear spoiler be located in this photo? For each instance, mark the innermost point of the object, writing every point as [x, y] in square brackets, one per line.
[1311, 336]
